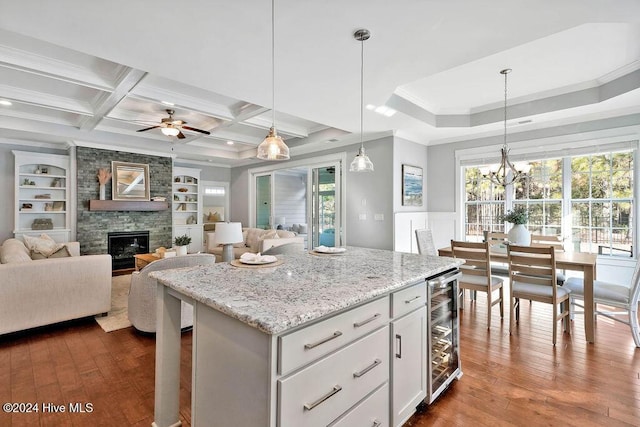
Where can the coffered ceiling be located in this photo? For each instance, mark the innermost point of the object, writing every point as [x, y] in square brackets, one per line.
[95, 73]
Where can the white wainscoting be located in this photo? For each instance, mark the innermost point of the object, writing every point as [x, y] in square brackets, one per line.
[442, 225]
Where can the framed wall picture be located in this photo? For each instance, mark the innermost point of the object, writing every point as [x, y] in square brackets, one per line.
[411, 185]
[130, 181]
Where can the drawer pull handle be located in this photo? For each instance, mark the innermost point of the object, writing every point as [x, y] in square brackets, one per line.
[376, 423]
[364, 322]
[399, 346]
[409, 301]
[336, 389]
[336, 334]
[367, 369]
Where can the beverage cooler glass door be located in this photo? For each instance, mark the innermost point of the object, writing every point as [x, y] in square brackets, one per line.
[443, 353]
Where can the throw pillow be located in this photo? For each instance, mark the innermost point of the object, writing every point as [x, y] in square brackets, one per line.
[285, 234]
[295, 228]
[253, 238]
[44, 244]
[302, 228]
[63, 252]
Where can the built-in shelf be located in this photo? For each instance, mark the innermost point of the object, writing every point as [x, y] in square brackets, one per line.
[127, 205]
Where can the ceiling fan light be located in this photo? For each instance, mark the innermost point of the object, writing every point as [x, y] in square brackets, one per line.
[170, 131]
[361, 162]
[273, 147]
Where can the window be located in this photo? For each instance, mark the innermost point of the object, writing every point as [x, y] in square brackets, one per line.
[599, 199]
[602, 203]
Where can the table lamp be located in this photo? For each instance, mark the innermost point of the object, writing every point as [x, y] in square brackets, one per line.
[228, 233]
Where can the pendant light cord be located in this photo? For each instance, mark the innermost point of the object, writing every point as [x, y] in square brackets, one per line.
[273, 64]
[361, 91]
[505, 110]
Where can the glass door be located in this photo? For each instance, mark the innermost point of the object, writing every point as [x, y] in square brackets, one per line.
[305, 199]
[325, 206]
[263, 201]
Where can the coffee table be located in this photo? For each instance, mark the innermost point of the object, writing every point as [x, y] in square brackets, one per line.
[144, 259]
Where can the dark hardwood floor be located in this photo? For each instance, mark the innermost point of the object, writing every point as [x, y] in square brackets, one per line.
[508, 380]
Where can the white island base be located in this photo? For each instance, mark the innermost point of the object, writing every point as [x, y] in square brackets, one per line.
[337, 369]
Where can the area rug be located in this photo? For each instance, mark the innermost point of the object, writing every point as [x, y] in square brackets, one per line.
[117, 318]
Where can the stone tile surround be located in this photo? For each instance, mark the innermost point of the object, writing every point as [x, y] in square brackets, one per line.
[92, 227]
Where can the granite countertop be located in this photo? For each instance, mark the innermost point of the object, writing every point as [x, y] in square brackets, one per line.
[304, 287]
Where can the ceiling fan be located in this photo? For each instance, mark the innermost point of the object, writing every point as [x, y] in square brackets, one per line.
[171, 127]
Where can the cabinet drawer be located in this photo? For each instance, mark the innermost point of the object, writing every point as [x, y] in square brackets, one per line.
[308, 344]
[323, 391]
[371, 412]
[408, 299]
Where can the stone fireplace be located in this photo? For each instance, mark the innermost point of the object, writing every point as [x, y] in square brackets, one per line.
[93, 226]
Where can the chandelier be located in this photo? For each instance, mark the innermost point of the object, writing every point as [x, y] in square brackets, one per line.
[506, 172]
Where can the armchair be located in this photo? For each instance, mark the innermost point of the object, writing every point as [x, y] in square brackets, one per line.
[142, 293]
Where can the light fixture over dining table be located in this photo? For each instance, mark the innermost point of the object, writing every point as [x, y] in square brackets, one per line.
[506, 172]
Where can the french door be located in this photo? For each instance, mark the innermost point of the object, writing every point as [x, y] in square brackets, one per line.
[305, 199]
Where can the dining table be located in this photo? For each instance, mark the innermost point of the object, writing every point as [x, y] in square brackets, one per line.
[573, 261]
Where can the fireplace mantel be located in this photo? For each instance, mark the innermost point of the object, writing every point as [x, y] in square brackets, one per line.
[127, 205]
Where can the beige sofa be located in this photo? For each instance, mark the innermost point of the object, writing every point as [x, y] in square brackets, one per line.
[45, 291]
[255, 240]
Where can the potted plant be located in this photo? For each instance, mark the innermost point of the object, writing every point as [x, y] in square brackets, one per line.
[518, 234]
[181, 243]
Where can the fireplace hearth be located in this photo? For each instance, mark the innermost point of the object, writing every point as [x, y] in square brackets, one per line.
[123, 245]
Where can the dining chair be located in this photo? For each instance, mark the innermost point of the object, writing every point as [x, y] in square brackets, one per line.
[532, 272]
[497, 240]
[476, 273]
[623, 297]
[424, 238]
[555, 242]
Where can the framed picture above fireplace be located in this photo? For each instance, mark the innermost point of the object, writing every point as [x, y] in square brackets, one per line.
[130, 181]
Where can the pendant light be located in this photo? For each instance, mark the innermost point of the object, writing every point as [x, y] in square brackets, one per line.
[273, 147]
[500, 176]
[361, 162]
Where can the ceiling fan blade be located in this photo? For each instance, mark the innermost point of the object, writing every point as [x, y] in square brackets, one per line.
[196, 130]
[152, 127]
[181, 136]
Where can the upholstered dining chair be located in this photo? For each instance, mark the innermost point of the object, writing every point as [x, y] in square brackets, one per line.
[287, 248]
[623, 297]
[476, 273]
[424, 238]
[532, 272]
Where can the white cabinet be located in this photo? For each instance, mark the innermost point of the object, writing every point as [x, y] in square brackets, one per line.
[409, 353]
[42, 195]
[187, 206]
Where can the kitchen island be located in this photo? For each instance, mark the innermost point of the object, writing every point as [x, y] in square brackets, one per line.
[267, 339]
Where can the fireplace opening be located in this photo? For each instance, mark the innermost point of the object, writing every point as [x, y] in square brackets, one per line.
[123, 245]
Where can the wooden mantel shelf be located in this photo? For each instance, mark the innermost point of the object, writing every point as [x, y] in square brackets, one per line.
[127, 205]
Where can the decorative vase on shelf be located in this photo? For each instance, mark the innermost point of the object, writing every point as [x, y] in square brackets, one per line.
[519, 235]
[103, 191]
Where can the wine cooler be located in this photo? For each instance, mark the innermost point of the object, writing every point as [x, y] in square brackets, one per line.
[443, 364]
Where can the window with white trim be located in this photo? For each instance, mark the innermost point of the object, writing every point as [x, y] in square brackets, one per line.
[599, 214]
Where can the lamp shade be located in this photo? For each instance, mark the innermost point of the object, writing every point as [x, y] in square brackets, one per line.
[228, 232]
[279, 220]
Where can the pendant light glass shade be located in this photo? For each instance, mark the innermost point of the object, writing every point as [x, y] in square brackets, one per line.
[361, 162]
[273, 146]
